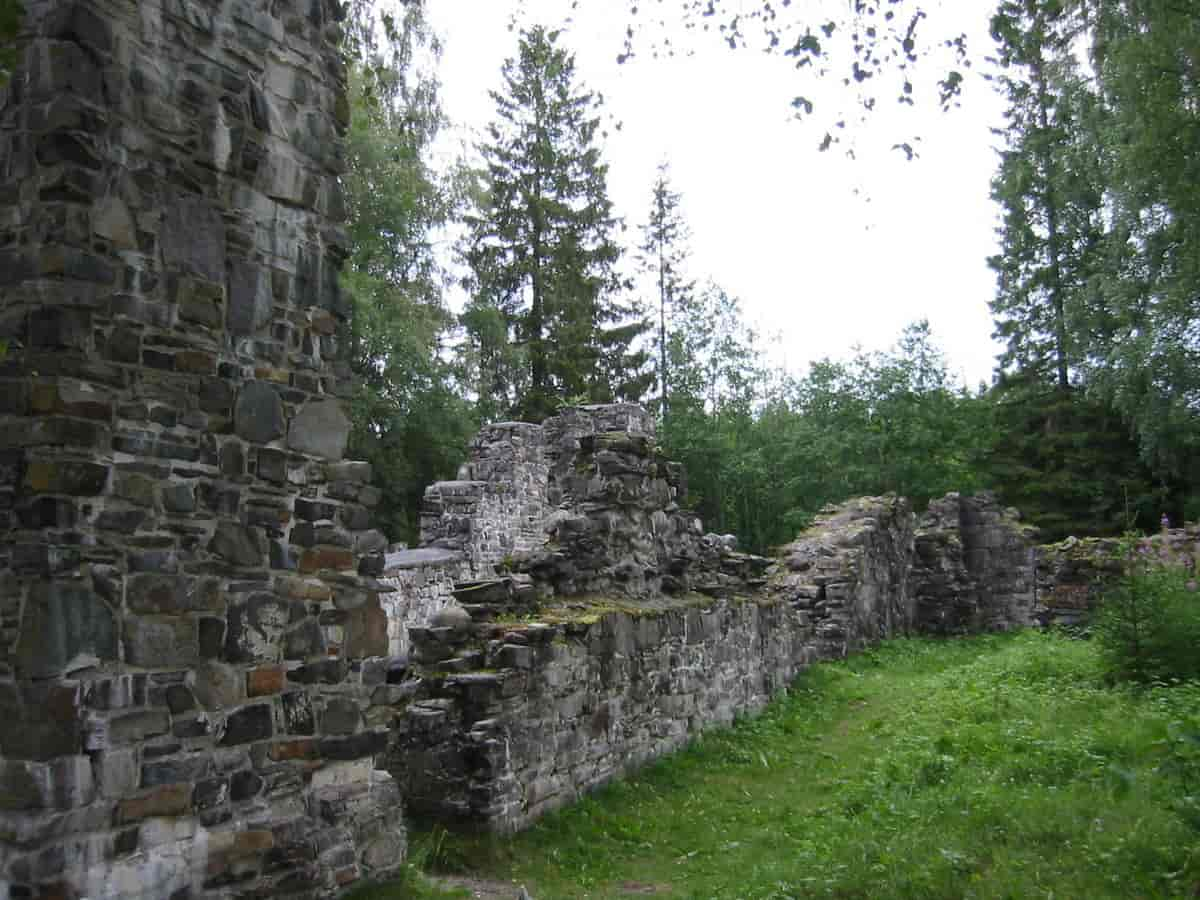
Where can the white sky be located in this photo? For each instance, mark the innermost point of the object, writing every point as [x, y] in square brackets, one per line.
[825, 253]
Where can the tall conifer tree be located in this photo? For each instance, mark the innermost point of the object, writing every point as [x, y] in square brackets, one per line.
[541, 247]
[1049, 190]
[663, 254]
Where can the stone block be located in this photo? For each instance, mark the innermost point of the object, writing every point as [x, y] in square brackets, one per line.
[179, 498]
[190, 768]
[340, 716]
[148, 592]
[116, 772]
[251, 723]
[366, 632]
[192, 238]
[265, 680]
[167, 801]
[135, 727]
[59, 476]
[249, 298]
[244, 786]
[316, 559]
[258, 416]
[320, 429]
[65, 626]
[160, 643]
[218, 686]
[238, 544]
[24, 786]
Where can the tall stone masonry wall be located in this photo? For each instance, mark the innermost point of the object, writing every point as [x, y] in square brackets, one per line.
[495, 510]
[186, 642]
[973, 567]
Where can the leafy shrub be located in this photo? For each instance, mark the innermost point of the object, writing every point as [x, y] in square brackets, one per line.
[1148, 626]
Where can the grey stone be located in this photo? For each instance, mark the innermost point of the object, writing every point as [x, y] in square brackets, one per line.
[65, 626]
[153, 593]
[249, 298]
[238, 544]
[159, 643]
[258, 415]
[172, 771]
[251, 723]
[112, 221]
[218, 686]
[193, 237]
[320, 429]
[341, 716]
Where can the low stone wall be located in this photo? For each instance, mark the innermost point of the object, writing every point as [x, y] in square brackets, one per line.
[552, 711]
[1072, 575]
[517, 709]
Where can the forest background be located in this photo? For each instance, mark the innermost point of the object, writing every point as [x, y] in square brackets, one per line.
[1089, 425]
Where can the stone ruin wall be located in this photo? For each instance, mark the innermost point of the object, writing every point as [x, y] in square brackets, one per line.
[1073, 574]
[527, 698]
[182, 617]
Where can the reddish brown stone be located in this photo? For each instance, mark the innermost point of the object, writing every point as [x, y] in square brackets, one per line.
[265, 680]
[195, 361]
[317, 558]
[303, 748]
[323, 322]
[226, 848]
[168, 800]
[70, 400]
[366, 631]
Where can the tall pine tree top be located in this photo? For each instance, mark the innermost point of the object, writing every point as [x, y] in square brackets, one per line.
[541, 248]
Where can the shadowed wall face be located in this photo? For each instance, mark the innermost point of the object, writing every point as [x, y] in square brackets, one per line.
[182, 613]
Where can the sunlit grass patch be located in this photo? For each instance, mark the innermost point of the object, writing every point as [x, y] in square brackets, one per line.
[993, 767]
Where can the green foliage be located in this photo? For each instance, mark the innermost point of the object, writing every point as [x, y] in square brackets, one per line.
[996, 767]
[1100, 241]
[1067, 461]
[545, 319]
[11, 14]
[763, 456]
[409, 420]
[1148, 625]
[1049, 190]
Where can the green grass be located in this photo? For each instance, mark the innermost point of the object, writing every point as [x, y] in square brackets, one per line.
[996, 767]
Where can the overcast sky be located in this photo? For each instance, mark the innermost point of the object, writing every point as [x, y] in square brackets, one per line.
[825, 252]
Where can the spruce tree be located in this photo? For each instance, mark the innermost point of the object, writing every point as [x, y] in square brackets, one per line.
[663, 254]
[1049, 191]
[541, 247]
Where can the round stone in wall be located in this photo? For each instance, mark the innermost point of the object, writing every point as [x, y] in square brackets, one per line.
[320, 429]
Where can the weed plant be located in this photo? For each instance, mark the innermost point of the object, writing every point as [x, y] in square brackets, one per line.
[995, 767]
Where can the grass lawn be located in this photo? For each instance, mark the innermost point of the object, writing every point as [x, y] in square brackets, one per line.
[996, 767]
